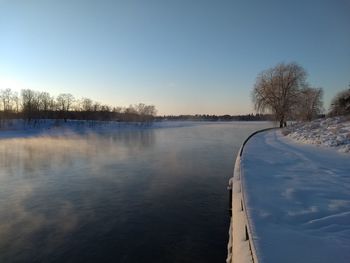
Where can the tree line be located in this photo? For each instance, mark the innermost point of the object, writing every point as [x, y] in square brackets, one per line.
[226, 117]
[283, 90]
[30, 104]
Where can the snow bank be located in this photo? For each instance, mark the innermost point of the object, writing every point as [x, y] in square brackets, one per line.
[240, 247]
[330, 132]
[297, 197]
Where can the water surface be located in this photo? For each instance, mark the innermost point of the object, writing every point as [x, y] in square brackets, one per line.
[150, 195]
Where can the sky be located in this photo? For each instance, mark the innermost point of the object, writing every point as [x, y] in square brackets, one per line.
[183, 56]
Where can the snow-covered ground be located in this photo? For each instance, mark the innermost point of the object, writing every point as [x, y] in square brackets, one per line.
[297, 198]
[330, 132]
[240, 248]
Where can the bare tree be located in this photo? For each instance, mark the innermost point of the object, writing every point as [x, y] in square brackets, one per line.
[16, 102]
[277, 90]
[97, 106]
[140, 108]
[117, 110]
[87, 104]
[130, 113]
[29, 103]
[44, 100]
[146, 110]
[340, 104]
[130, 110]
[310, 103]
[65, 101]
[52, 104]
[105, 108]
[6, 96]
[64, 104]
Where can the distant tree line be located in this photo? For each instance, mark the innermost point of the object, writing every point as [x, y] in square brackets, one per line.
[206, 117]
[30, 104]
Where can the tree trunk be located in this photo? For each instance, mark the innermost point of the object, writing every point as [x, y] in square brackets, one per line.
[281, 123]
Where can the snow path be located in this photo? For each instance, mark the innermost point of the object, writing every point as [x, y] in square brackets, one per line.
[298, 200]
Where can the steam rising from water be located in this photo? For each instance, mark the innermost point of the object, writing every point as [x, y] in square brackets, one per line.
[104, 196]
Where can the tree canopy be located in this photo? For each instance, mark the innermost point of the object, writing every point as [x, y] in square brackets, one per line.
[282, 90]
[340, 104]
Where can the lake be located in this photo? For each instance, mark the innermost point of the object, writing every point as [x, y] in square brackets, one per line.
[135, 195]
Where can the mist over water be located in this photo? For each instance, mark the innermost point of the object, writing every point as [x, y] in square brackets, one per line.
[150, 195]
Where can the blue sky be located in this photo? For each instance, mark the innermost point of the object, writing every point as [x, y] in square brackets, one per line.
[185, 57]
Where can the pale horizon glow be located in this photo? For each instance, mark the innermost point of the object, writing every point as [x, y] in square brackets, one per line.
[184, 57]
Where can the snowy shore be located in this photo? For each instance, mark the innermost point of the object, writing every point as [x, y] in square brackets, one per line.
[330, 132]
[304, 213]
[240, 248]
[297, 200]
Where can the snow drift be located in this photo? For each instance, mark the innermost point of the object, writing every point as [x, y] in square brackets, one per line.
[330, 132]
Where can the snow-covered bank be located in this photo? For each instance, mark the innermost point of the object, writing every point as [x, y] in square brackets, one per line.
[240, 247]
[297, 199]
[330, 132]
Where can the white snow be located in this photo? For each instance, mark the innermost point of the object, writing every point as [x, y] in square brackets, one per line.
[240, 249]
[330, 132]
[298, 196]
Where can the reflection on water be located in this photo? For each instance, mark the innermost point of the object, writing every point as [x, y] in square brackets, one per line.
[156, 195]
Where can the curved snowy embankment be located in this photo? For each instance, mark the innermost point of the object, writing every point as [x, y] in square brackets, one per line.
[290, 202]
[297, 200]
[240, 247]
[330, 132]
